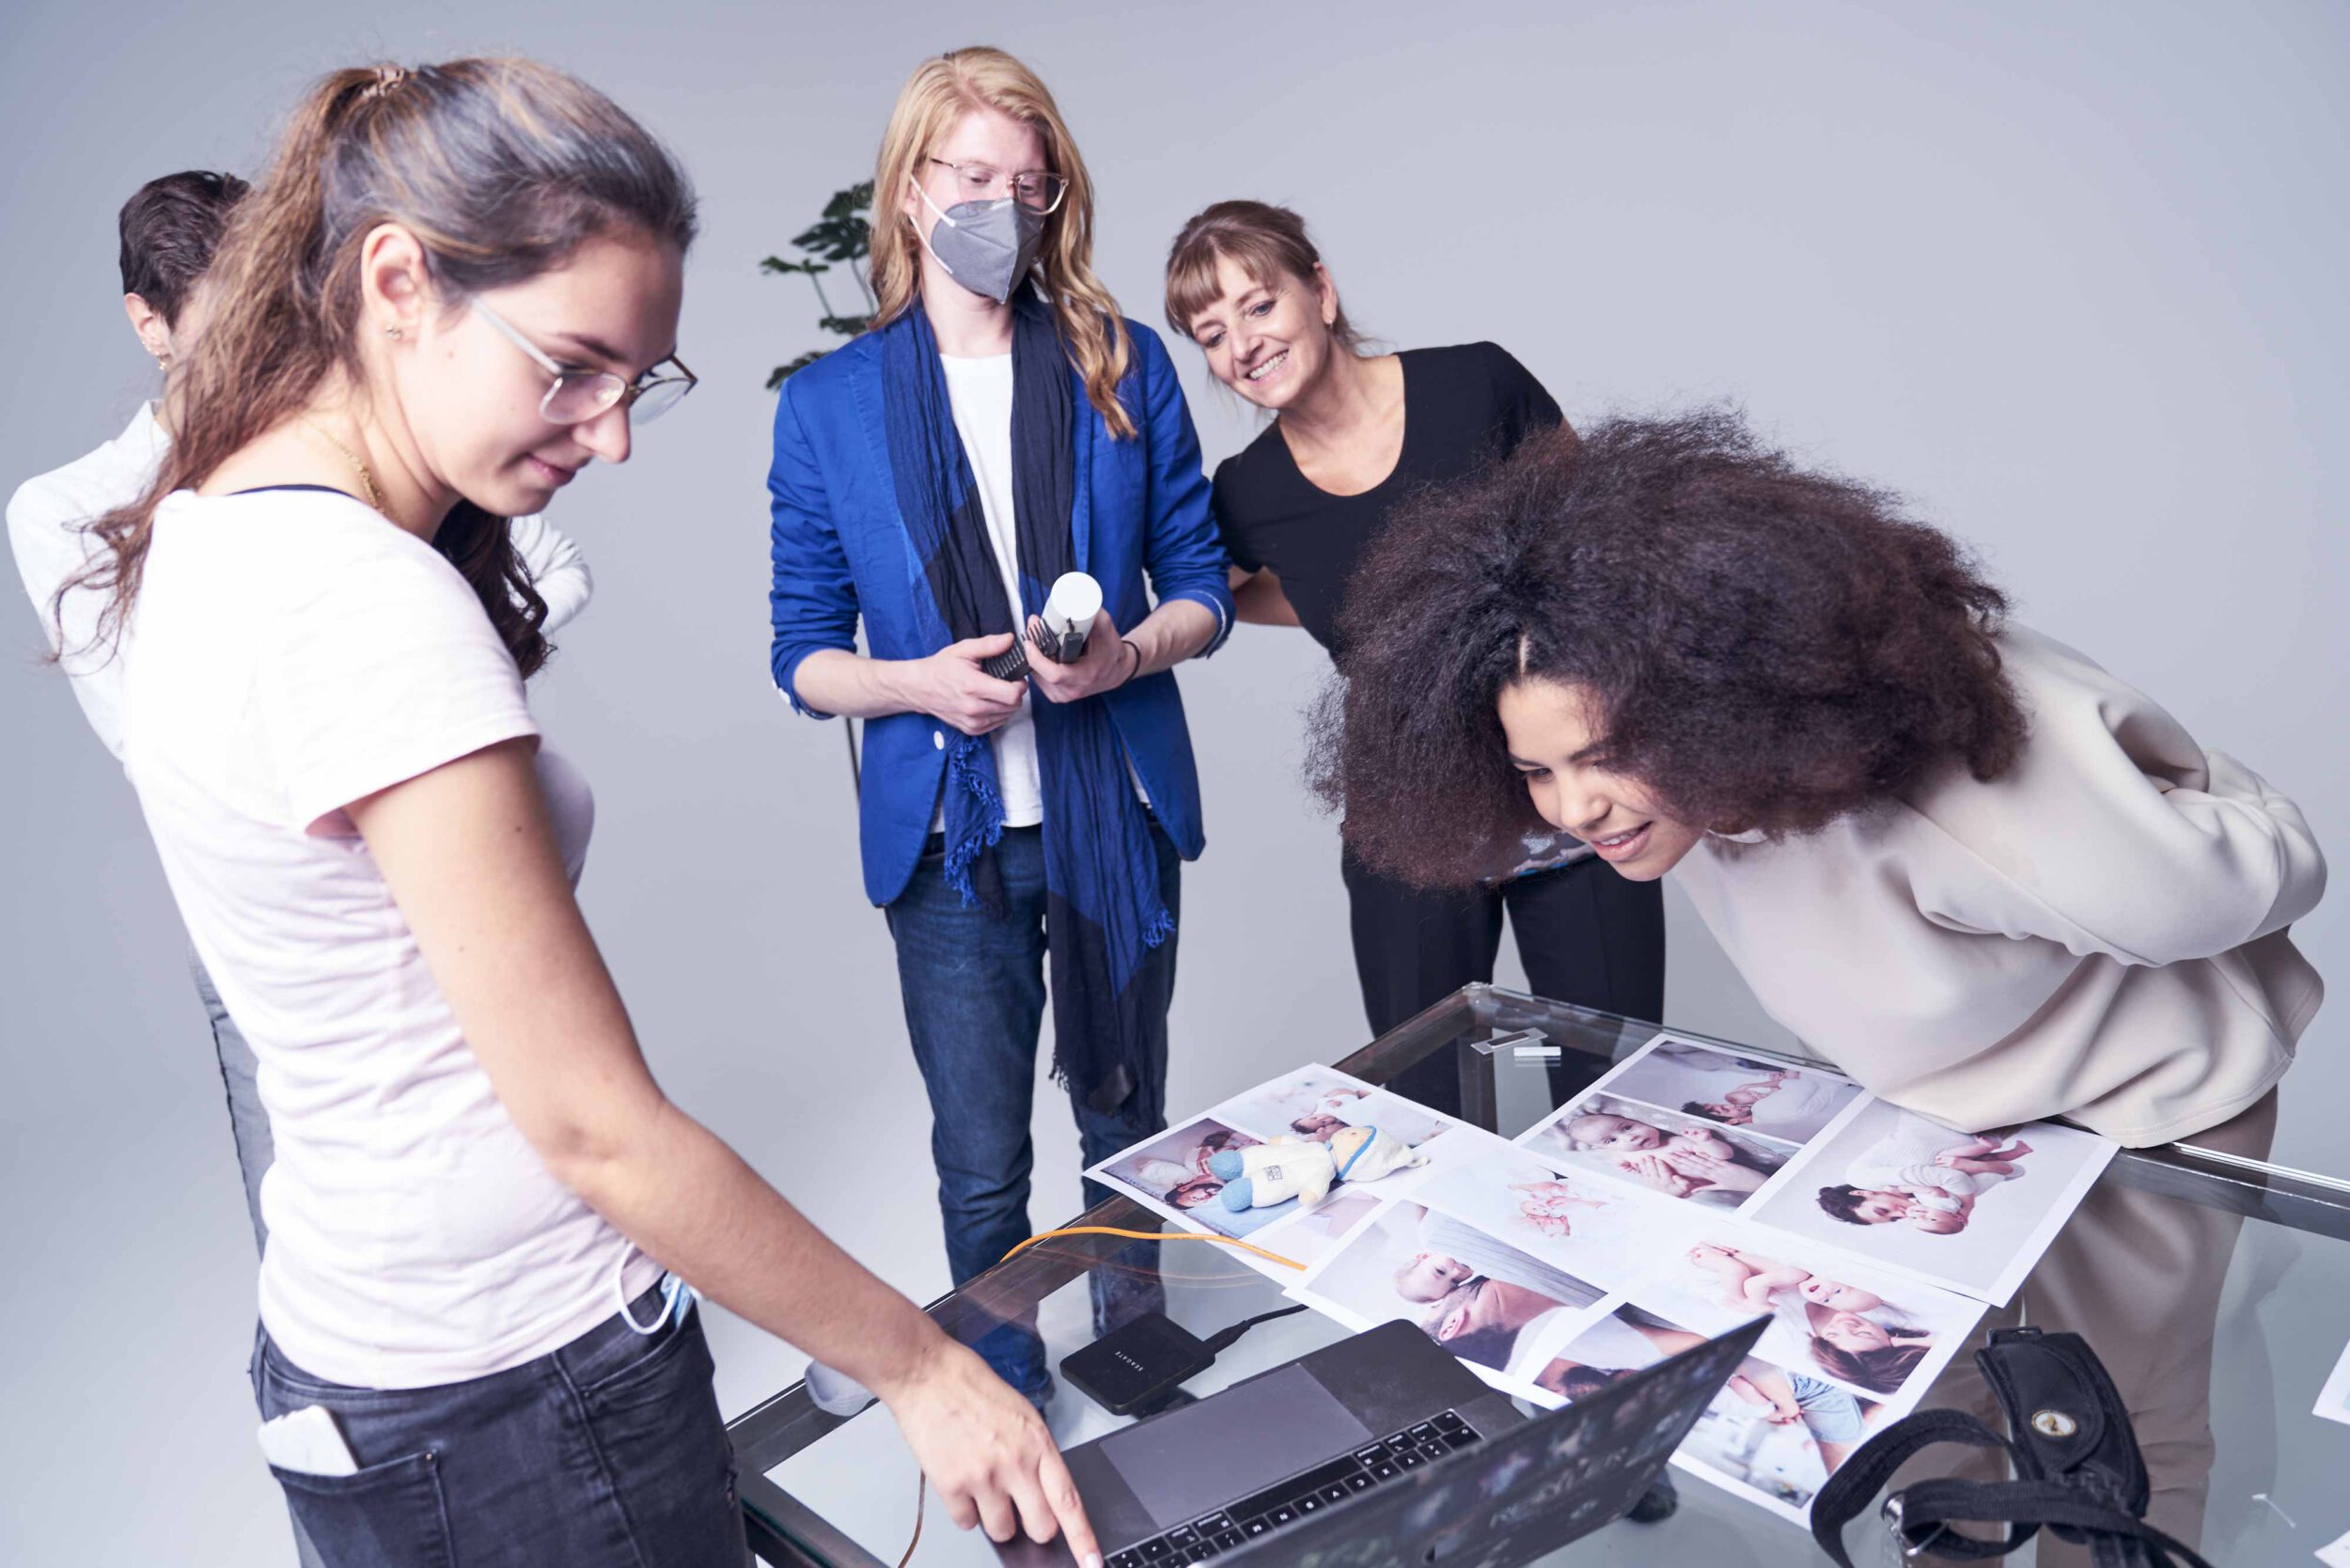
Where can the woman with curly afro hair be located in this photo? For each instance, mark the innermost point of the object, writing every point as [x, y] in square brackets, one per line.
[1987, 878]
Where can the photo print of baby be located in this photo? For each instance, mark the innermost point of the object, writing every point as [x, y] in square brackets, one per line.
[1968, 1211]
[1499, 1309]
[1877, 1334]
[1668, 1152]
[1169, 1175]
[1314, 1103]
[1591, 1228]
[1773, 1435]
[1790, 1104]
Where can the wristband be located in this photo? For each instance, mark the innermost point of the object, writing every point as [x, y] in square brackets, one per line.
[1137, 669]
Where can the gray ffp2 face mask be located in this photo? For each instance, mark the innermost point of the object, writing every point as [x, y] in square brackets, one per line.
[987, 246]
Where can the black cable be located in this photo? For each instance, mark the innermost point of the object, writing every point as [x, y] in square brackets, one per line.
[1226, 1339]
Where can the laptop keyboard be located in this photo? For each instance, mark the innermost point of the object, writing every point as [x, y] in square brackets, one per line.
[1302, 1496]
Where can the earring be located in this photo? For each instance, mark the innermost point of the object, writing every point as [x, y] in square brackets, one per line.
[392, 332]
[163, 362]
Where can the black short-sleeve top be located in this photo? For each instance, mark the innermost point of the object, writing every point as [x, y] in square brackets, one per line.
[1461, 406]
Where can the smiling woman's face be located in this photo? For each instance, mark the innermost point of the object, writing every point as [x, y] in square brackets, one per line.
[1551, 737]
[1266, 339]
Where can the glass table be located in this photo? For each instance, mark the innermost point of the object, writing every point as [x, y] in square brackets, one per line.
[2181, 1248]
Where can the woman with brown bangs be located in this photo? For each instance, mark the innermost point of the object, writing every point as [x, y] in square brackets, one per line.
[1352, 433]
[999, 428]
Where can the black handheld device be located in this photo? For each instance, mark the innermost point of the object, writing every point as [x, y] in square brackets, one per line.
[1138, 1364]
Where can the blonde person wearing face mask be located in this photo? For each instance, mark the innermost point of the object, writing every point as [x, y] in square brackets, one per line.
[1000, 425]
[1352, 434]
[1987, 878]
[456, 289]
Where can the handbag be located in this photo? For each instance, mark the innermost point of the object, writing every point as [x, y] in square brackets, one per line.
[2078, 1470]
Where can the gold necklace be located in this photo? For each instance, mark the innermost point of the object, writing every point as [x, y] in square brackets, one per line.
[366, 480]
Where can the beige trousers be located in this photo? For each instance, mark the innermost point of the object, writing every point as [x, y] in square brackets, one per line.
[2138, 1276]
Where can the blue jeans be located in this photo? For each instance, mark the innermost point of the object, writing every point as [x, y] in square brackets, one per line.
[607, 1453]
[974, 989]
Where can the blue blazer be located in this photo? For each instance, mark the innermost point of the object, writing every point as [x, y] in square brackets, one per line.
[839, 550]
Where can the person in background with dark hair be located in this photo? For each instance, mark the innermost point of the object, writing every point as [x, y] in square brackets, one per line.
[1987, 878]
[456, 289]
[169, 230]
[1353, 434]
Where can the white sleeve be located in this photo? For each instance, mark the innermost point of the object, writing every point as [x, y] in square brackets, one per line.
[558, 569]
[384, 669]
[44, 533]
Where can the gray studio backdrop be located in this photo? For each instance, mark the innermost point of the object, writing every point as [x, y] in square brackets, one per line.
[2070, 275]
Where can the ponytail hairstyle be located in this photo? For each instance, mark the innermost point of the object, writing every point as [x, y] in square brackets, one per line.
[1268, 243]
[501, 169]
[938, 94]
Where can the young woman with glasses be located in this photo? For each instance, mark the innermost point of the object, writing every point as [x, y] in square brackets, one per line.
[454, 291]
[1000, 425]
[1352, 434]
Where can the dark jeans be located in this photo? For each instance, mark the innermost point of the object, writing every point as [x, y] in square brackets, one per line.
[607, 1453]
[248, 1126]
[1586, 935]
[974, 990]
[248, 1123]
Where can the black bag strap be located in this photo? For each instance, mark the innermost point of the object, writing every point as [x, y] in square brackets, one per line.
[2080, 1474]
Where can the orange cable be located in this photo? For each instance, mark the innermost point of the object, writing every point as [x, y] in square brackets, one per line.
[1152, 1235]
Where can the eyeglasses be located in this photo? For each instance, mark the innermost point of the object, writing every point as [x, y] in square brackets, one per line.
[1035, 189]
[579, 394]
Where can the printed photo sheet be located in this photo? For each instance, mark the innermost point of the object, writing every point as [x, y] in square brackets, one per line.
[1503, 1312]
[1875, 1334]
[1971, 1214]
[1173, 1176]
[1772, 1436]
[1531, 1326]
[2333, 1401]
[1703, 1130]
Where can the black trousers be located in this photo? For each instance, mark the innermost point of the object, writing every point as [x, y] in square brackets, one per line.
[1586, 936]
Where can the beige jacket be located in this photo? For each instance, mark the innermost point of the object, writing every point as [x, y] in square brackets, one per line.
[2070, 939]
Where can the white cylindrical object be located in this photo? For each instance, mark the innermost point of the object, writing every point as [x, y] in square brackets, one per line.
[1069, 612]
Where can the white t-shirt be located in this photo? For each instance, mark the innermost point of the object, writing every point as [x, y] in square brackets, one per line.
[980, 391]
[296, 651]
[45, 518]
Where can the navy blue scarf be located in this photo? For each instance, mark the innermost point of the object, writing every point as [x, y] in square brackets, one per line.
[1104, 910]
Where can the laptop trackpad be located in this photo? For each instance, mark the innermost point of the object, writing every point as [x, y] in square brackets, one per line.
[1193, 1461]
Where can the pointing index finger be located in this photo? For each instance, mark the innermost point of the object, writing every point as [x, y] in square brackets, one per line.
[1060, 1491]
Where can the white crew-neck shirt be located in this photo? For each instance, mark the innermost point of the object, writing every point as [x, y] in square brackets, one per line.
[295, 651]
[979, 392]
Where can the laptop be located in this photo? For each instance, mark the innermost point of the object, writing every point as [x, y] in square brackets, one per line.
[1378, 1452]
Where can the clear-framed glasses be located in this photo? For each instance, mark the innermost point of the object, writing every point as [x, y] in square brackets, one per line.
[1034, 189]
[579, 394]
